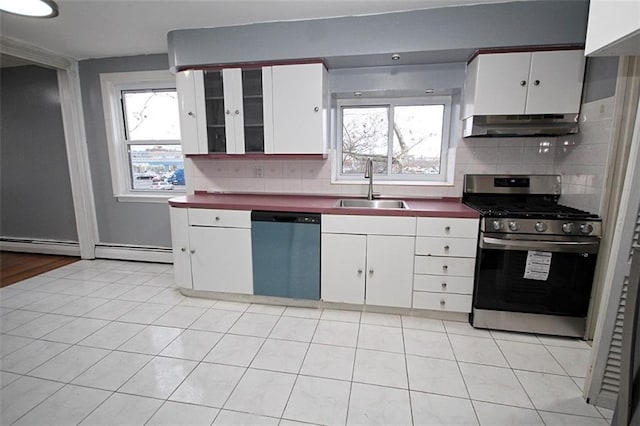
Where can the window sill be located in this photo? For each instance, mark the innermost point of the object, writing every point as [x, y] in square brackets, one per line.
[147, 198]
[377, 182]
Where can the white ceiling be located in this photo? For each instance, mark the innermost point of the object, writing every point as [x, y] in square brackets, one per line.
[106, 28]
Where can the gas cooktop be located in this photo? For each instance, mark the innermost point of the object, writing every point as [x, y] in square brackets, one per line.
[526, 204]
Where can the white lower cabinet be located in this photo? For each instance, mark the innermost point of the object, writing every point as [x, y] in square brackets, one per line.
[389, 270]
[371, 260]
[221, 259]
[212, 249]
[367, 268]
[180, 247]
[445, 264]
[343, 262]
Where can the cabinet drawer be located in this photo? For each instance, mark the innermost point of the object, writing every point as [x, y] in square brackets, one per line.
[455, 266]
[370, 225]
[443, 284]
[436, 246]
[221, 218]
[442, 302]
[447, 227]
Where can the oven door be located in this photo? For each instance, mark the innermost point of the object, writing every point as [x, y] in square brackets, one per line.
[531, 274]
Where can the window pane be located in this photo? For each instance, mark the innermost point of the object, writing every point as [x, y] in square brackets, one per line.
[151, 115]
[156, 168]
[365, 133]
[417, 139]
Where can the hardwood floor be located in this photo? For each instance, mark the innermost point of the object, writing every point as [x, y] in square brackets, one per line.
[16, 267]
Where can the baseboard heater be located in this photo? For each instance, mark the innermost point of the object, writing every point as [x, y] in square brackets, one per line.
[42, 246]
[134, 252]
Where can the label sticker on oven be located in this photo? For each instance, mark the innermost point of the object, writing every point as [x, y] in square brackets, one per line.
[538, 265]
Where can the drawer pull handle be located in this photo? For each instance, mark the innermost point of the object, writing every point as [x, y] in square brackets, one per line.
[447, 228]
[444, 286]
[442, 302]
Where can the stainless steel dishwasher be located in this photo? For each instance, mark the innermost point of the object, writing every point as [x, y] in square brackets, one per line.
[286, 254]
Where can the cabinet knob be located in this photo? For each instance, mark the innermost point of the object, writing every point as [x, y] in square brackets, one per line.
[445, 267]
[442, 302]
[447, 228]
[523, 83]
[237, 111]
[228, 112]
[359, 271]
[193, 251]
[183, 249]
[316, 109]
[536, 83]
[190, 114]
[444, 286]
[371, 271]
[217, 218]
[446, 248]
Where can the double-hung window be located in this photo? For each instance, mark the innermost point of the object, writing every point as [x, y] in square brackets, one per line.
[407, 139]
[143, 132]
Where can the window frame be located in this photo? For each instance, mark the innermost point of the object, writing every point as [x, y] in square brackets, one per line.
[391, 103]
[112, 85]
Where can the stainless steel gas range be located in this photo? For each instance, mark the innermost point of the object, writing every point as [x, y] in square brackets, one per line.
[536, 258]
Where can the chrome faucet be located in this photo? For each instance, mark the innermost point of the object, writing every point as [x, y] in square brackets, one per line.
[368, 174]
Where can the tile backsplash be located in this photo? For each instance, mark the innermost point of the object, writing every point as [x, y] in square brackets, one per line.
[580, 159]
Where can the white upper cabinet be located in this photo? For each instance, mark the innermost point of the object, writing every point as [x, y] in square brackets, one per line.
[193, 120]
[222, 111]
[544, 82]
[273, 110]
[613, 28]
[300, 109]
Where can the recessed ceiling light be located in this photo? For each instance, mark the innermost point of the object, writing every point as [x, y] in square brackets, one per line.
[31, 8]
[395, 57]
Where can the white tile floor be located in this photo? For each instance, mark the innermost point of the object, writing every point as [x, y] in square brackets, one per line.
[111, 342]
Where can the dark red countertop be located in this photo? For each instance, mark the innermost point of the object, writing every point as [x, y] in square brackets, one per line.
[425, 207]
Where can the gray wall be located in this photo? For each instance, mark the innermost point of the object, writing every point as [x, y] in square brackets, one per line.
[118, 222]
[600, 78]
[35, 189]
[432, 35]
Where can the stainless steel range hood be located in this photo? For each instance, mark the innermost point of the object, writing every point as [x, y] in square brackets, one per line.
[520, 125]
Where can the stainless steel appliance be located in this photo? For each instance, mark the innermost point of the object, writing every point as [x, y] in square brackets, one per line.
[520, 125]
[286, 254]
[536, 258]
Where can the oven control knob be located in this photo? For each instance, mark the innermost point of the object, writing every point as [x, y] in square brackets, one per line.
[568, 227]
[586, 228]
[497, 225]
[514, 226]
[541, 226]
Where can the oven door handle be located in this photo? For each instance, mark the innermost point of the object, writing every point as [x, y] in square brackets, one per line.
[537, 245]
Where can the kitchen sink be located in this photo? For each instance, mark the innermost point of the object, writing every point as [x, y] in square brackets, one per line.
[356, 203]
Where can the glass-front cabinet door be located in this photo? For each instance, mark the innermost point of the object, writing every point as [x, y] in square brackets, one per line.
[253, 106]
[234, 105]
[215, 107]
